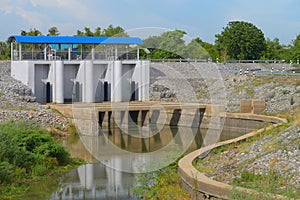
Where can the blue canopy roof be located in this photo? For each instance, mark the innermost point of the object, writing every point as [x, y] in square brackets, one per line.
[76, 40]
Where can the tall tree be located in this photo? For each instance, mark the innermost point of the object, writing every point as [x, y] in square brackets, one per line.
[111, 31]
[172, 44]
[98, 32]
[152, 42]
[274, 50]
[4, 50]
[88, 32]
[53, 31]
[210, 48]
[31, 32]
[241, 40]
[294, 51]
[195, 50]
[34, 32]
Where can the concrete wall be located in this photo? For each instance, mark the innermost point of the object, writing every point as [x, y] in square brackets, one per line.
[84, 81]
[252, 106]
[202, 187]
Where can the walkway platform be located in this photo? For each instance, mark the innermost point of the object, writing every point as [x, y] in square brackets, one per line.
[67, 109]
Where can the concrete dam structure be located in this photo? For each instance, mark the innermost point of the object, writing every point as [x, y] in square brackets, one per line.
[62, 69]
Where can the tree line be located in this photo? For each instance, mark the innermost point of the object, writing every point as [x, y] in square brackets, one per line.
[239, 40]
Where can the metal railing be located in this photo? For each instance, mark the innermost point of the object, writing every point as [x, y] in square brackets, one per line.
[254, 61]
[64, 55]
[178, 60]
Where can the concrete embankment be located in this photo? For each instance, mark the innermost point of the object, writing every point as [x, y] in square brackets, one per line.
[202, 187]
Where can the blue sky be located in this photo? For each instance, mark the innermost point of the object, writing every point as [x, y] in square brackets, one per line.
[199, 18]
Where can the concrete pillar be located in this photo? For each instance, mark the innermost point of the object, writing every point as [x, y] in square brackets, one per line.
[45, 52]
[69, 52]
[59, 81]
[145, 80]
[12, 51]
[138, 69]
[89, 82]
[116, 53]
[117, 79]
[20, 51]
[93, 53]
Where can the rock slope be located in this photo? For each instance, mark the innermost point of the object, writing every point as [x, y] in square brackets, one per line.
[17, 102]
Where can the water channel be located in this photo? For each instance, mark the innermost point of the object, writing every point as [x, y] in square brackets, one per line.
[115, 156]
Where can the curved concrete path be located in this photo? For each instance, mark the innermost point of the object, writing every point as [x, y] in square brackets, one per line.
[201, 186]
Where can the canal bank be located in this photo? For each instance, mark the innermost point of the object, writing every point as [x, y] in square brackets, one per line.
[250, 161]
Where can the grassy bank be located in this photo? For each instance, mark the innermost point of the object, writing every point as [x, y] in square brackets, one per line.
[163, 184]
[28, 153]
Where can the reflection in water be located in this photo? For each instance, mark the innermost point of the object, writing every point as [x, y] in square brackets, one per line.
[116, 152]
[95, 181]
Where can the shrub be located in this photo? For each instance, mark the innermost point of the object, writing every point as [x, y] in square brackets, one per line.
[6, 172]
[29, 149]
[52, 150]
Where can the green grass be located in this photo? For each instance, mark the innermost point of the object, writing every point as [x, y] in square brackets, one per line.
[28, 153]
[271, 182]
[163, 184]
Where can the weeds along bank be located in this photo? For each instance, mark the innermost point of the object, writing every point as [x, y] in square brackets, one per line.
[28, 154]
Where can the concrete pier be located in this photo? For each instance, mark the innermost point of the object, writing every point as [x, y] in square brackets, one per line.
[89, 80]
[118, 80]
[58, 81]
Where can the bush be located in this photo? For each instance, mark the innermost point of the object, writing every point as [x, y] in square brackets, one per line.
[28, 151]
[52, 150]
[6, 172]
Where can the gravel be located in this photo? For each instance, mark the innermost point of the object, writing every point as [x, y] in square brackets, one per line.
[279, 152]
[17, 102]
[222, 84]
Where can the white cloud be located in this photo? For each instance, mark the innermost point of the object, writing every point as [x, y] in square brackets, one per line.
[33, 18]
[74, 8]
[6, 6]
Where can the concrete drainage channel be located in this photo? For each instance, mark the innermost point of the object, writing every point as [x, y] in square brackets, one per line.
[201, 186]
